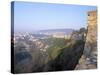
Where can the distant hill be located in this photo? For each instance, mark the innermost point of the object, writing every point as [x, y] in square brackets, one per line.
[65, 31]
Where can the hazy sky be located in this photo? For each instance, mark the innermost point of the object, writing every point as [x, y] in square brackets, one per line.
[39, 16]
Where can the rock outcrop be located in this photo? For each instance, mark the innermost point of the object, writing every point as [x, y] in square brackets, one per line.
[89, 57]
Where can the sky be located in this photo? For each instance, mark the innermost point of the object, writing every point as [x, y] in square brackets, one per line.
[30, 16]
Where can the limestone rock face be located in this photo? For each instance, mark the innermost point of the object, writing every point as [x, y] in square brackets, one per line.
[89, 57]
[91, 38]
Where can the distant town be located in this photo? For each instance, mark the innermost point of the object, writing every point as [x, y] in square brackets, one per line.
[41, 35]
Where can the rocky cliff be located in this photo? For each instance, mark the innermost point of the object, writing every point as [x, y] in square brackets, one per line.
[89, 57]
